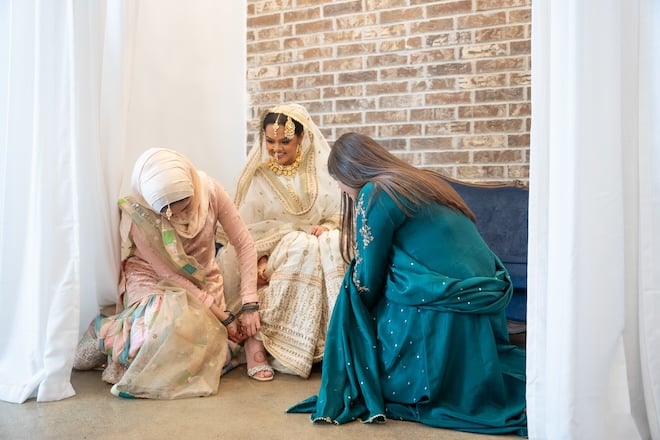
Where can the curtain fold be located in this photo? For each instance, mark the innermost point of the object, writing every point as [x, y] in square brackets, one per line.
[648, 271]
[68, 140]
[55, 242]
[593, 350]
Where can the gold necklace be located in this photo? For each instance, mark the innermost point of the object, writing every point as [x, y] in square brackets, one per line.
[285, 170]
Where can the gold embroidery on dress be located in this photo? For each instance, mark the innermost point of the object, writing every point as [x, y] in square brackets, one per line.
[293, 194]
[367, 238]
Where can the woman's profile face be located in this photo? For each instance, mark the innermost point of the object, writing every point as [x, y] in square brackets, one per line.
[177, 207]
[280, 148]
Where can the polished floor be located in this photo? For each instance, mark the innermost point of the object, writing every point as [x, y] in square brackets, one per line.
[243, 409]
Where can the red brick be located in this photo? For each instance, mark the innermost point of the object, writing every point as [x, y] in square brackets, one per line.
[446, 157]
[514, 32]
[407, 15]
[390, 130]
[299, 95]
[432, 56]
[482, 81]
[450, 8]
[382, 88]
[490, 95]
[482, 111]
[450, 69]
[432, 26]
[499, 125]
[500, 64]
[301, 68]
[496, 156]
[356, 49]
[400, 72]
[447, 128]
[342, 64]
[384, 4]
[493, 141]
[481, 20]
[356, 20]
[302, 15]
[356, 77]
[342, 8]
[401, 101]
[500, 4]
[433, 114]
[376, 117]
[313, 27]
[342, 118]
[520, 15]
[387, 60]
[314, 81]
[519, 140]
[304, 41]
[483, 172]
[434, 99]
[433, 84]
[256, 21]
[342, 91]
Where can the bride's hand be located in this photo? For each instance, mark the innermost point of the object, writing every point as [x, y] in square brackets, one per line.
[318, 230]
[262, 280]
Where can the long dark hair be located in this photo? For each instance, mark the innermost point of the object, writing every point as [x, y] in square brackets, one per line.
[356, 159]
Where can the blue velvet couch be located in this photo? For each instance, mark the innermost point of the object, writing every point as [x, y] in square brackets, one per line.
[502, 214]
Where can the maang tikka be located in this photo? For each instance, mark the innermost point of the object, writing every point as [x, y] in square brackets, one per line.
[276, 125]
[289, 128]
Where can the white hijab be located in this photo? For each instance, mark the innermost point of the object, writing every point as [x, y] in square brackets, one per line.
[162, 177]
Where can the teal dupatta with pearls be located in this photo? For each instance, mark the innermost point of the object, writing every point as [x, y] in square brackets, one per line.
[418, 331]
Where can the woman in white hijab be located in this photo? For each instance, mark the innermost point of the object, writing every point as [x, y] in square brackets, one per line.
[169, 336]
[292, 208]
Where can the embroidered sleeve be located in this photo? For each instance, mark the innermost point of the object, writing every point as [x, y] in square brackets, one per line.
[377, 220]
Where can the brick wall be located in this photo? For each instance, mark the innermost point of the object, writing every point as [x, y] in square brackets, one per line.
[442, 84]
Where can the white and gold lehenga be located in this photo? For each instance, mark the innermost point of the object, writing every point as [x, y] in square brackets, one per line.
[305, 271]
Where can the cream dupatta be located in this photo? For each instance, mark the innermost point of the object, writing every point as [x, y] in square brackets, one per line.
[305, 271]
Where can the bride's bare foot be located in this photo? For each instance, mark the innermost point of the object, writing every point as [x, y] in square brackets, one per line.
[257, 362]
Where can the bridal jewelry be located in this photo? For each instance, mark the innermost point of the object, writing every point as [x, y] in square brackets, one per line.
[286, 170]
[168, 212]
[289, 128]
[276, 125]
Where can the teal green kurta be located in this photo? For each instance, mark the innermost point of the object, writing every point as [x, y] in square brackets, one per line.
[419, 332]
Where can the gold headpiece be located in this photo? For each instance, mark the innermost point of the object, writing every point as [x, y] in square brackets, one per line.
[289, 128]
[276, 125]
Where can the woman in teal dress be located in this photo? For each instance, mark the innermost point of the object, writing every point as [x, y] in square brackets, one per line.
[418, 332]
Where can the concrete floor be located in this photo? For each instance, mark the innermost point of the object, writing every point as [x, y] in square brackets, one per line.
[243, 409]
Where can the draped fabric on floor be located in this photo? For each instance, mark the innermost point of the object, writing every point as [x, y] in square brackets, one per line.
[593, 358]
[68, 140]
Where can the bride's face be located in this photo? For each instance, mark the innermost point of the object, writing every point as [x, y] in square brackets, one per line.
[280, 148]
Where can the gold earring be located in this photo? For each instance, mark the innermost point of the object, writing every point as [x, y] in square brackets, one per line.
[289, 128]
[168, 212]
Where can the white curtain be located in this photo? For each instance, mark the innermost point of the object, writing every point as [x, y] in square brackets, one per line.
[594, 226]
[85, 87]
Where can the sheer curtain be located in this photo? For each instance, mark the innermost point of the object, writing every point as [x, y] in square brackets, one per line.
[68, 139]
[594, 225]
